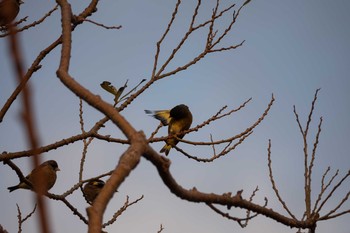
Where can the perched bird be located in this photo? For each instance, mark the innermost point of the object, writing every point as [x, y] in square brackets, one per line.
[92, 189]
[8, 11]
[178, 119]
[42, 178]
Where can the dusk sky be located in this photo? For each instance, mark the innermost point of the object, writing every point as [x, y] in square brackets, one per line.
[291, 49]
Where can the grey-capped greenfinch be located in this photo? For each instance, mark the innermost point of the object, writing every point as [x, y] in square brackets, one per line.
[92, 189]
[178, 119]
[42, 178]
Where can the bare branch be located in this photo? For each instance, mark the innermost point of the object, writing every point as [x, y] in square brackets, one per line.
[161, 228]
[34, 67]
[69, 205]
[311, 112]
[247, 131]
[248, 217]
[155, 132]
[19, 216]
[313, 155]
[85, 147]
[213, 146]
[331, 213]
[336, 215]
[239, 220]
[228, 216]
[34, 23]
[225, 151]
[18, 172]
[323, 187]
[156, 75]
[163, 164]
[274, 187]
[102, 25]
[121, 210]
[36, 64]
[307, 166]
[173, 16]
[330, 195]
[127, 162]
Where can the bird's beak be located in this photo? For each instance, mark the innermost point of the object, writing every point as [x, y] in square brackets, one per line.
[57, 169]
[20, 2]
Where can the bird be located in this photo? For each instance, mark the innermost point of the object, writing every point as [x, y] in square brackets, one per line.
[178, 119]
[9, 9]
[42, 178]
[92, 189]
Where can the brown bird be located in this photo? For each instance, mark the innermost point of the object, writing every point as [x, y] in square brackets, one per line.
[9, 9]
[178, 119]
[42, 178]
[92, 189]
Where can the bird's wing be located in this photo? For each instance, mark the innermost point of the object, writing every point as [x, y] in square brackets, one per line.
[162, 115]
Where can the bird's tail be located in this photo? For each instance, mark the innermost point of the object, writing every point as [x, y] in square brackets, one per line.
[13, 188]
[165, 149]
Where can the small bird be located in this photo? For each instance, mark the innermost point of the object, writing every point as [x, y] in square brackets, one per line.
[92, 189]
[42, 178]
[9, 9]
[178, 119]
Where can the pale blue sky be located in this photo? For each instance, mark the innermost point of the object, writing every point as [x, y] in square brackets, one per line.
[291, 49]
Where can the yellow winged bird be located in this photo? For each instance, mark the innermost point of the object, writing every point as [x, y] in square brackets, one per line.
[178, 119]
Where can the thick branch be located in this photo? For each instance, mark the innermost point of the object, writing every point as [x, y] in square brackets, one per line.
[127, 162]
[163, 164]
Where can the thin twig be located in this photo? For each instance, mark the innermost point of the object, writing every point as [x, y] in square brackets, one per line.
[228, 216]
[155, 131]
[308, 166]
[32, 24]
[274, 187]
[313, 155]
[331, 193]
[225, 151]
[19, 216]
[213, 146]
[323, 187]
[102, 25]
[173, 16]
[18, 172]
[335, 209]
[161, 228]
[69, 205]
[121, 210]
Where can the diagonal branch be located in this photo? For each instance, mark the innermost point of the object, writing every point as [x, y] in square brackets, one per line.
[126, 205]
[330, 195]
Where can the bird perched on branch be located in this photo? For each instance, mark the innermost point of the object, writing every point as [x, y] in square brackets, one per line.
[42, 178]
[92, 189]
[8, 11]
[178, 119]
